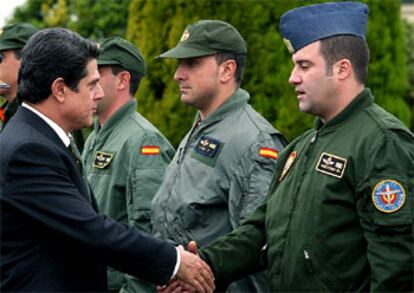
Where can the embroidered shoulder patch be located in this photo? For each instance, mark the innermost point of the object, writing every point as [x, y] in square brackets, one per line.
[331, 165]
[388, 196]
[150, 150]
[102, 159]
[268, 153]
[288, 164]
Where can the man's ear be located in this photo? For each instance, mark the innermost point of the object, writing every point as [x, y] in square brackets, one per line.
[58, 89]
[123, 80]
[343, 69]
[227, 70]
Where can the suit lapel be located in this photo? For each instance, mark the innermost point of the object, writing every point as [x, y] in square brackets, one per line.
[44, 129]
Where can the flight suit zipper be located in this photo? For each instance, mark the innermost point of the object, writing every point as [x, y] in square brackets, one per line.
[308, 261]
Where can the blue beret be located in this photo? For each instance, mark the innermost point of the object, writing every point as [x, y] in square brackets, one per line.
[304, 25]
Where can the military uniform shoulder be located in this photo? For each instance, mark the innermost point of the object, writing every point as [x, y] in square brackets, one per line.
[140, 123]
[385, 121]
[259, 121]
[146, 128]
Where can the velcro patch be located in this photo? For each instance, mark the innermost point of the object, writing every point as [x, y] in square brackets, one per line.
[331, 165]
[268, 153]
[388, 196]
[207, 150]
[150, 150]
[102, 159]
[207, 146]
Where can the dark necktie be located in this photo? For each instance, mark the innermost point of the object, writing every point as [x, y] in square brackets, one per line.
[76, 155]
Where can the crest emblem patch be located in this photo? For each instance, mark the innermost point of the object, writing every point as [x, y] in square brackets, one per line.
[185, 36]
[288, 164]
[388, 196]
[102, 160]
[331, 165]
[289, 46]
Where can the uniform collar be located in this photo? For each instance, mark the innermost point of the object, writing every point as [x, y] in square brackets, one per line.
[358, 104]
[4, 105]
[121, 114]
[236, 101]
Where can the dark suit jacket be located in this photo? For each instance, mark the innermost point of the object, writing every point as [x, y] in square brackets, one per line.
[52, 238]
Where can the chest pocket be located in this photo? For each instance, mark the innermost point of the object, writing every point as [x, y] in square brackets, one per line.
[207, 150]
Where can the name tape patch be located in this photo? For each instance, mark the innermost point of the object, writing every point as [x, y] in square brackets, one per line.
[207, 146]
[331, 165]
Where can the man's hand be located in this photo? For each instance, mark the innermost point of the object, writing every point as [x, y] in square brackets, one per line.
[194, 271]
[176, 286]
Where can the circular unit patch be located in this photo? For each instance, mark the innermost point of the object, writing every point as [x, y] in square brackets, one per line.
[388, 196]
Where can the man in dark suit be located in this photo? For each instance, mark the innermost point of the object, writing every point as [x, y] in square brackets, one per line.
[52, 238]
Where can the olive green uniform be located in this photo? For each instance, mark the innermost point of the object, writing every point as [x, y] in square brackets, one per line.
[219, 175]
[328, 223]
[124, 162]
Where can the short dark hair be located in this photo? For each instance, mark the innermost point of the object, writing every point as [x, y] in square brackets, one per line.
[50, 54]
[17, 53]
[134, 81]
[353, 48]
[240, 60]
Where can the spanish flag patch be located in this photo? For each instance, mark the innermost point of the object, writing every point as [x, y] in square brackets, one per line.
[268, 153]
[150, 150]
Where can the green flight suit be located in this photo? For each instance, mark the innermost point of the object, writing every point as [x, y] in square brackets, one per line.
[328, 223]
[124, 162]
[219, 175]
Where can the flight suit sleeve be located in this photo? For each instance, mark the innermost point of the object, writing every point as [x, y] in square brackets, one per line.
[239, 253]
[385, 206]
[251, 179]
[145, 176]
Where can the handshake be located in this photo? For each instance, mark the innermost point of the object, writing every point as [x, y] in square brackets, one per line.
[194, 275]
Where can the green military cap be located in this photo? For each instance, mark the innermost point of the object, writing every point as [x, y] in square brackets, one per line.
[15, 36]
[207, 37]
[117, 51]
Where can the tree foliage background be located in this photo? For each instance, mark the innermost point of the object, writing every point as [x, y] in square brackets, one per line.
[156, 25]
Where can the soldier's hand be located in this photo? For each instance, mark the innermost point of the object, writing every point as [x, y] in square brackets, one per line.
[192, 247]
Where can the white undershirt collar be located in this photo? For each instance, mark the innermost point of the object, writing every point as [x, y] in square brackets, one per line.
[59, 130]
